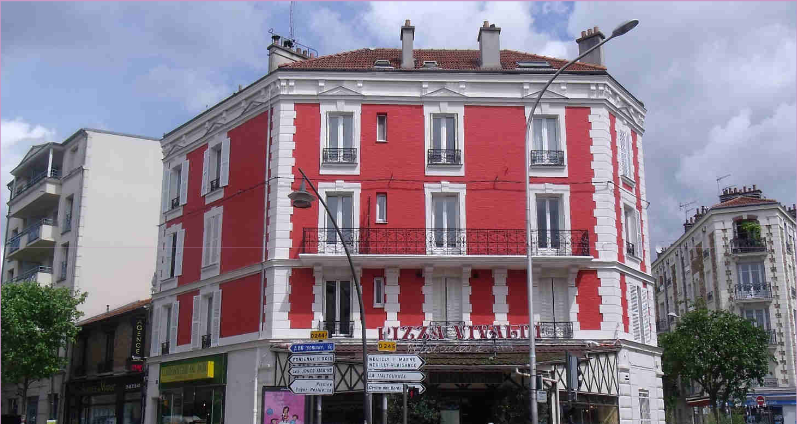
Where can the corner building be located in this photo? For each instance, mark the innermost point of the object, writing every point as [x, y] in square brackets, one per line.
[419, 155]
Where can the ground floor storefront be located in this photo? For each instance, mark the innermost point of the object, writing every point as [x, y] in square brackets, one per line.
[44, 401]
[107, 400]
[192, 390]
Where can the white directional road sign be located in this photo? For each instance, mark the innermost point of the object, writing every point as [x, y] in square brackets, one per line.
[312, 358]
[402, 376]
[313, 387]
[307, 371]
[393, 387]
[395, 362]
[312, 347]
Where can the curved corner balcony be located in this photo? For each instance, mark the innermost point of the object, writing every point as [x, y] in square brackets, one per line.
[33, 244]
[40, 193]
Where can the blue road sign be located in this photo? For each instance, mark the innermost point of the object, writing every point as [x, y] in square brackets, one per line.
[312, 347]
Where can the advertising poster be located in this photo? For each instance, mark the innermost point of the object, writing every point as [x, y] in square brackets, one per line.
[282, 407]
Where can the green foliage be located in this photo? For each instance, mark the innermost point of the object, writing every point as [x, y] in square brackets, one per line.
[722, 352]
[37, 321]
[511, 406]
[421, 409]
[752, 228]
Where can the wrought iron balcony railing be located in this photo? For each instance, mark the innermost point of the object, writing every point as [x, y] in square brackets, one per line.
[337, 328]
[555, 330]
[434, 241]
[30, 275]
[630, 248]
[165, 348]
[444, 157]
[547, 158]
[340, 155]
[753, 292]
[54, 173]
[205, 341]
[748, 245]
[773, 337]
[215, 184]
[104, 366]
[174, 203]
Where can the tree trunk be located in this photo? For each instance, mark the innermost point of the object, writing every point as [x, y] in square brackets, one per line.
[24, 411]
[715, 409]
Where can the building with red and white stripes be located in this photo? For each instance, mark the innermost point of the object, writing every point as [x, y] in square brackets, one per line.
[420, 156]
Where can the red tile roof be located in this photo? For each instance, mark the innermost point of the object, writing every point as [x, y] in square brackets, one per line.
[461, 60]
[743, 201]
[118, 311]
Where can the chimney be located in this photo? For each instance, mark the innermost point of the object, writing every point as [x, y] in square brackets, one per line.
[489, 46]
[407, 36]
[588, 39]
[729, 194]
[282, 53]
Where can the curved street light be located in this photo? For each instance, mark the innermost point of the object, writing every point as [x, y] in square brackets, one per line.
[620, 30]
[302, 199]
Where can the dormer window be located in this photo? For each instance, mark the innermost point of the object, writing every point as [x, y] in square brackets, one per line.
[430, 64]
[533, 64]
[382, 64]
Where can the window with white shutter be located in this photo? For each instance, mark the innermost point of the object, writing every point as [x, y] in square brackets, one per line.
[216, 167]
[175, 316]
[216, 319]
[645, 312]
[626, 154]
[155, 344]
[211, 242]
[196, 314]
[171, 255]
[636, 323]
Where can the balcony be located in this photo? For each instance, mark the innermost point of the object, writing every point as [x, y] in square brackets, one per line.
[165, 348]
[662, 326]
[337, 328]
[753, 293]
[554, 330]
[39, 194]
[630, 249]
[105, 367]
[205, 341]
[740, 246]
[214, 185]
[340, 155]
[444, 157]
[431, 241]
[547, 158]
[33, 244]
[175, 203]
[40, 274]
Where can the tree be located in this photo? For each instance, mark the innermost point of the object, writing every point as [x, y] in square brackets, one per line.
[37, 322]
[722, 352]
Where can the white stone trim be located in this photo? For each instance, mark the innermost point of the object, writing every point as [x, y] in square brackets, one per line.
[603, 182]
[343, 106]
[572, 295]
[276, 323]
[214, 269]
[445, 187]
[430, 108]
[282, 163]
[467, 306]
[428, 296]
[392, 292]
[549, 110]
[500, 292]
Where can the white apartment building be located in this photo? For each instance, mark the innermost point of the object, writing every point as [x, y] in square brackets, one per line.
[82, 214]
[737, 255]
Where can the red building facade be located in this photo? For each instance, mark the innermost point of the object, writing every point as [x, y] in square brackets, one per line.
[421, 162]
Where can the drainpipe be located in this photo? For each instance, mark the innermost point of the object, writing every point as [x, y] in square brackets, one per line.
[262, 312]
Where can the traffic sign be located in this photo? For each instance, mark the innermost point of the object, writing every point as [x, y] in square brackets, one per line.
[760, 400]
[402, 376]
[542, 396]
[395, 362]
[313, 387]
[311, 371]
[393, 387]
[312, 347]
[312, 358]
[319, 335]
[385, 346]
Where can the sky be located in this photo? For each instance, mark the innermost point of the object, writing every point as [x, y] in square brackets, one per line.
[718, 79]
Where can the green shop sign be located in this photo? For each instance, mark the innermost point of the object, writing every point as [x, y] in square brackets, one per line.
[203, 370]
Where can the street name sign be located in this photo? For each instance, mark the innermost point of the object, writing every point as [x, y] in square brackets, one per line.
[312, 347]
[542, 396]
[319, 335]
[393, 387]
[400, 376]
[385, 346]
[313, 387]
[312, 371]
[395, 362]
[312, 358]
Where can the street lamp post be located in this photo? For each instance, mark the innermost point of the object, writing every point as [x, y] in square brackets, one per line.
[302, 199]
[620, 30]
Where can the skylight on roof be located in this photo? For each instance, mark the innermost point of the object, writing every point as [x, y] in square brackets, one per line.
[533, 64]
[430, 64]
[383, 64]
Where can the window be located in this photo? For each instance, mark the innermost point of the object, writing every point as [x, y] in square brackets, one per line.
[379, 292]
[381, 127]
[175, 185]
[10, 276]
[216, 167]
[445, 220]
[340, 206]
[211, 241]
[64, 261]
[109, 339]
[546, 148]
[644, 406]
[381, 207]
[626, 155]
[337, 308]
[206, 317]
[640, 314]
[759, 317]
[66, 223]
[447, 298]
[548, 219]
[632, 232]
[171, 260]
[340, 139]
[444, 149]
[12, 406]
[751, 275]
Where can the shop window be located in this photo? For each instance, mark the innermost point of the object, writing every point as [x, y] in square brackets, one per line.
[192, 405]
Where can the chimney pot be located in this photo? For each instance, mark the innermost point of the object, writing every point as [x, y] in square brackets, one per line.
[596, 29]
[583, 34]
[753, 186]
[407, 22]
[589, 31]
[486, 24]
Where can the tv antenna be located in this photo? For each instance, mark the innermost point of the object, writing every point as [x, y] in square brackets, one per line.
[718, 183]
[291, 22]
[686, 211]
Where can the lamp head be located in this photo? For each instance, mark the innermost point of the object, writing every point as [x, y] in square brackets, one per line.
[301, 199]
[673, 314]
[625, 27]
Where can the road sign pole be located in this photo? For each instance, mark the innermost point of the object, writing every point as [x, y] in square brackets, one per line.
[404, 391]
[318, 409]
[384, 408]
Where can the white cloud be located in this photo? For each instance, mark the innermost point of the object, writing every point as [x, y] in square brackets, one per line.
[195, 89]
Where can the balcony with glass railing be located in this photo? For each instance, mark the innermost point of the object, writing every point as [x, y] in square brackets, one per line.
[35, 243]
[40, 274]
[35, 194]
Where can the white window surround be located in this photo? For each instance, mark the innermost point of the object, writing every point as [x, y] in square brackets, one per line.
[547, 110]
[646, 298]
[456, 109]
[222, 143]
[200, 321]
[382, 139]
[620, 125]
[340, 187]
[160, 320]
[164, 258]
[212, 267]
[169, 168]
[379, 292]
[628, 200]
[328, 107]
[381, 210]
[444, 187]
[552, 190]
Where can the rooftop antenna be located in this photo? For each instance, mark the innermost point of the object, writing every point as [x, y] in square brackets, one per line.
[718, 183]
[291, 22]
[686, 211]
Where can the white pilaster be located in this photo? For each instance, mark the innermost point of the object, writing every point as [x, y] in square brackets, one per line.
[282, 162]
[392, 291]
[500, 292]
[467, 307]
[601, 149]
[318, 296]
[428, 295]
[572, 293]
[278, 304]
